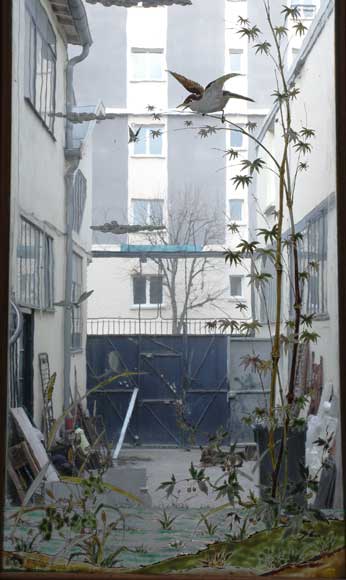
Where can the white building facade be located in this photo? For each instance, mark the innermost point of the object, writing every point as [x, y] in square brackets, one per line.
[51, 207]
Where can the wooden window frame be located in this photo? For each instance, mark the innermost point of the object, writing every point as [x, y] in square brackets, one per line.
[5, 181]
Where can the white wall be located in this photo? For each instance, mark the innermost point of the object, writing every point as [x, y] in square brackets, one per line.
[38, 193]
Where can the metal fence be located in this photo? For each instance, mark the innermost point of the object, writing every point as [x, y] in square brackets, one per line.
[149, 326]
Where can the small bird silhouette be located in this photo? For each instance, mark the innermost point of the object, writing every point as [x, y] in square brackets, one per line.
[134, 135]
[210, 99]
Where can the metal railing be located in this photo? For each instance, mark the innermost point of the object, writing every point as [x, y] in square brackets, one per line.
[149, 326]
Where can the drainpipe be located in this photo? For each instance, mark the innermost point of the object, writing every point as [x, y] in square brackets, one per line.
[73, 157]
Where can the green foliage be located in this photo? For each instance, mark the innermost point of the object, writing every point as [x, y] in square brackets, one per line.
[303, 147]
[247, 247]
[263, 48]
[168, 486]
[166, 520]
[253, 166]
[269, 235]
[210, 527]
[242, 180]
[233, 228]
[232, 153]
[281, 31]
[291, 12]
[251, 126]
[155, 133]
[241, 306]
[259, 279]
[300, 28]
[234, 258]
[157, 116]
[250, 32]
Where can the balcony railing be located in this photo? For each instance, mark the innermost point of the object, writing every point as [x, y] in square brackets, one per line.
[148, 326]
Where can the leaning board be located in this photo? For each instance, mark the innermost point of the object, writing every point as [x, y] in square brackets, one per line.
[31, 436]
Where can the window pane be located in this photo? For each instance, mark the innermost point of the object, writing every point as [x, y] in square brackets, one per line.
[139, 289]
[155, 60]
[140, 211]
[156, 212]
[138, 64]
[155, 143]
[236, 283]
[236, 209]
[140, 146]
[235, 58]
[236, 138]
[156, 290]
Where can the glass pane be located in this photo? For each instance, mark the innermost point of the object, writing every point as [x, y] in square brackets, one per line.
[173, 386]
[140, 146]
[156, 212]
[235, 59]
[140, 211]
[138, 65]
[155, 141]
[139, 290]
[156, 290]
[236, 209]
[236, 283]
[155, 60]
[236, 138]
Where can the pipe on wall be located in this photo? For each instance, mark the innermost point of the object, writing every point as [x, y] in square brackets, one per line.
[74, 155]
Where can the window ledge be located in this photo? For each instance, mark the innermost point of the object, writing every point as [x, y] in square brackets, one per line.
[147, 306]
[37, 114]
[148, 156]
[237, 299]
[148, 81]
[321, 317]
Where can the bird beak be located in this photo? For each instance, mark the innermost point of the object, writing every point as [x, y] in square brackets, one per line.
[182, 106]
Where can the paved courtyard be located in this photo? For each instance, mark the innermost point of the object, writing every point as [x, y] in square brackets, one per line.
[161, 463]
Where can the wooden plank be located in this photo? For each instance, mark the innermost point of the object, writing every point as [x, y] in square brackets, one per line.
[32, 437]
[126, 423]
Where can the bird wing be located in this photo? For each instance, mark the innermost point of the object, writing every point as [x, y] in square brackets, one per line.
[218, 83]
[189, 85]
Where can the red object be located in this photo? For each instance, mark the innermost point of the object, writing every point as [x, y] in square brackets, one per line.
[68, 423]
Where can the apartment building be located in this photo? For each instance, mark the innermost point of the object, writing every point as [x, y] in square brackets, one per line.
[171, 169]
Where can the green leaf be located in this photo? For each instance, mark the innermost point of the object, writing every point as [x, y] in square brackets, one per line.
[155, 133]
[232, 153]
[247, 247]
[293, 13]
[269, 235]
[251, 33]
[253, 166]
[234, 258]
[300, 28]
[263, 48]
[241, 306]
[281, 31]
[307, 133]
[233, 228]
[242, 180]
[110, 486]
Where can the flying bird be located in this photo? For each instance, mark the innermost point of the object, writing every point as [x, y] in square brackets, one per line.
[134, 135]
[210, 99]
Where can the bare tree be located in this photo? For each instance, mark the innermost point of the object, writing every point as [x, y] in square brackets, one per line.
[188, 280]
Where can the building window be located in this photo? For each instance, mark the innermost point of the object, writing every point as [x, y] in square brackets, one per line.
[147, 290]
[236, 286]
[236, 210]
[40, 62]
[313, 259]
[35, 267]
[147, 64]
[147, 212]
[77, 288]
[237, 139]
[149, 141]
[236, 61]
[307, 8]
[79, 199]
